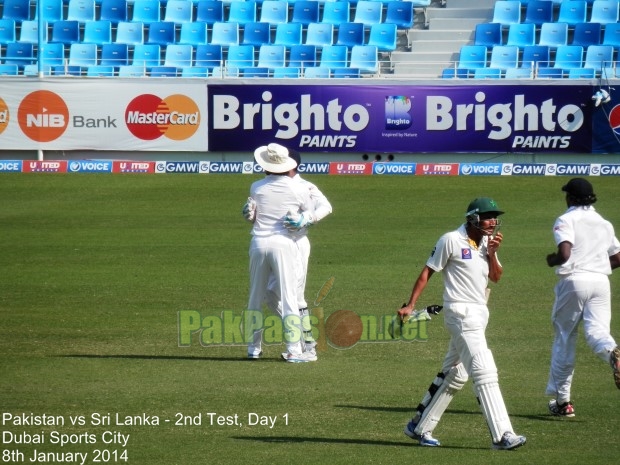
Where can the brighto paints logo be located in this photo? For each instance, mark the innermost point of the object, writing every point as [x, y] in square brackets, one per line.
[397, 109]
[149, 117]
[43, 116]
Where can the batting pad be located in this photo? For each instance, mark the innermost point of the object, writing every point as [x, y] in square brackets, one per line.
[486, 386]
[439, 396]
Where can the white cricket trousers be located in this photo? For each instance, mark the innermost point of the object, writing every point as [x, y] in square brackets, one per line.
[580, 296]
[275, 254]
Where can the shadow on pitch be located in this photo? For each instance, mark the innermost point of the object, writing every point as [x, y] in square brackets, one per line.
[171, 357]
[321, 440]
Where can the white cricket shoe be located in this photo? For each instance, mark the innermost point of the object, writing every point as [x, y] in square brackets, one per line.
[302, 357]
[425, 439]
[509, 441]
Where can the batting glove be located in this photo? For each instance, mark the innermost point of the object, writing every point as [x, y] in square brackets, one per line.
[296, 221]
[249, 210]
[434, 309]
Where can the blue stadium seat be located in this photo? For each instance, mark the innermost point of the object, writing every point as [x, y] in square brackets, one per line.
[257, 33]
[162, 33]
[208, 56]
[351, 34]
[243, 12]
[193, 33]
[320, 72]
[538, 12]
[52, 54]
[29, 32]
[346, 73]
[66, 32]
[305, 12]
[19, 10]
[487, 73]
[334, 56]
[130, 32]
[81, 10]
[225, 33]
[82, 55]
[288, 34]
[550, 73]
[97, 32]
[472, 56]
[179, 11]
[504, 57]
[146, 11]
[274, 12]
[573, 12]
[131, 71]
[581, 73]
[319, 34]
[365, 58]
[604, 11]
[8, 31]
[51, 10]
[421, 3]
[455, 73]
[255, 72]
[521, 34]
[100, 71]
[383, 36]
[209, 11]
[114, 11]
[195, 72]
[146, 55]
[488, 34]
[226, 71]
[271, 56]
[33, 70]
[599, 57]
[400, 13]
[553, 35]
[9, 70]
[507, 12]
[586, 34]
[302, 56]
[240, 56]
[67, 70]
[116, 55]
[568, 56]
[163, 71]
[368, 12]
[535, 56]
[336, 12]
[518, 73]
[178, 55]
[611, 35]
[286, 73]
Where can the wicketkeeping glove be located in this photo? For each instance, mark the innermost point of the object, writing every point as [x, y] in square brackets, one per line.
[249, 210]
[295, 221]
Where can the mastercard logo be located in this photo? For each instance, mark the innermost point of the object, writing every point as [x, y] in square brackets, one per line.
[4, 115]
[43, 116]
[614, 119]
[149, 117]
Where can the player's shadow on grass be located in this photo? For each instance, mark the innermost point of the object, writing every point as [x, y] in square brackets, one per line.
[323, 440]
[171, 357]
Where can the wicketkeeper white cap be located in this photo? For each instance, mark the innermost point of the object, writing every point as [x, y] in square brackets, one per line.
[274, 158]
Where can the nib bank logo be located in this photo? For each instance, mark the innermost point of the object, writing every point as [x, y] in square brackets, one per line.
[43, 116]
[397, 112]
[149, 117]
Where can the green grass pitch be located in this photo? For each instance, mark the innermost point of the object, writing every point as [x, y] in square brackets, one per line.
[95, 268]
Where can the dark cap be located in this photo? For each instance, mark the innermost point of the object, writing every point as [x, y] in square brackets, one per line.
[579, 188]
[483, 205]
[294, 154]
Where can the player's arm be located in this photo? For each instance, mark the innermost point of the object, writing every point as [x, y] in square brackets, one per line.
[495, 267]
[614, 261]
[562, 255]
[418, 287]
[321, 205]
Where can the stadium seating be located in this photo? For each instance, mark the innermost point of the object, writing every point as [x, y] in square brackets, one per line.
[568, 56]
[193, 33]
[598, 57]
[131, 71]
[521, 34]
[336, 12]
[82, 55]
[400, 13]
[368, 12]
[243, 12]
[18, 10]
[179, 11]
[553, 34]
[286, 73]
[52, 54]
[29, 32]
[365, 58]
[507, 12]
[240, 56]
[518, 73]
[178, 55]
[305, 12]
[195, 72]
[257, 33]
[586, 34]
[163, 71]
[8, 31]
[288, 34]
[581, 73]
[100, 71]
[19, 53]
[113, 54]
[319, 34]
[472, 56]
[114, 11]
[487, 73]
[9, 70]
[274, 12]
[538, 12]
[146, 11]
[488, 34]
[302, 56]
[347, 73]
[271, 56]
[535, 56]
[98, 32]
[225, 33]
[604, 11]
[130, 32]
[573, 12]
[611, 36]
[146, 56]
[455, 73]
[350, 34]
[383, 36]
[209, 11]
[162, 33]
[504, 57]
[81, 10]
[66, 32]
[320, 72]
[51, 10]
[334, 56]
[550, 73]
[208, 56]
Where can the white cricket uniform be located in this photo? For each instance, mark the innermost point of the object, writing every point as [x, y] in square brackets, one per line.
[582, 293]
[319, 208]
[273, 250]
[465, 273]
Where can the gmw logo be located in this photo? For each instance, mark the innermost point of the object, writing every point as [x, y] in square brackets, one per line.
[149, 117]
